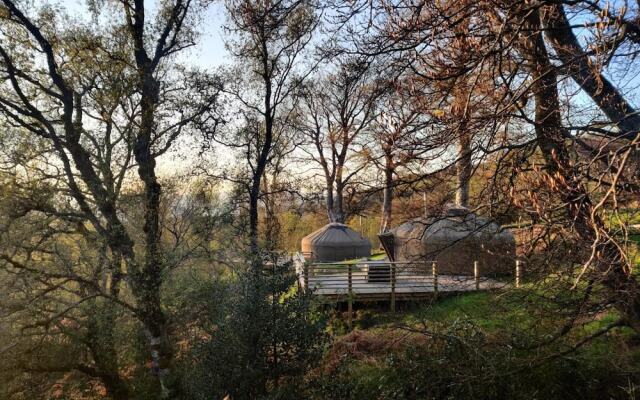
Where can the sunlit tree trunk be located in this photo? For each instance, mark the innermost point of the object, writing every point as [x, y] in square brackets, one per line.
[464, 169]
[329, 201]
[338, 208]
[387, 194]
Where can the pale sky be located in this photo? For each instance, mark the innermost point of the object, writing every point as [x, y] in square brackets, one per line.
[209, 51]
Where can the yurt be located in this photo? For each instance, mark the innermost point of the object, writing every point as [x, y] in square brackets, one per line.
[335, 242]
[454, 241]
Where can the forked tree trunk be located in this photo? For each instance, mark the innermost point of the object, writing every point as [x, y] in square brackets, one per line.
[148, 281]
[624, 291]
[262, 160]
[101, 342]
[461, 112]
[101, 325]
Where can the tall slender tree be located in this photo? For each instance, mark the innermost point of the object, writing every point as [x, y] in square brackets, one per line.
[269, 41]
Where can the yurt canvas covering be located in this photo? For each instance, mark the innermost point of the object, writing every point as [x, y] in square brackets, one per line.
[335, 242]
[454, 241]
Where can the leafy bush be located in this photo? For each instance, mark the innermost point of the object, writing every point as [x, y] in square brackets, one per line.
[265, 336]
[460, 360]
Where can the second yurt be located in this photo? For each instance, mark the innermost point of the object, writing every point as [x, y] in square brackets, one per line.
[335, 242]
[454, 241]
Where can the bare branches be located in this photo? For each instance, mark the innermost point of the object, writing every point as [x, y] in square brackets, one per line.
[584, 72]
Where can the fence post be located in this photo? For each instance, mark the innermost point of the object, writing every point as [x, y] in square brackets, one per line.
[350, 297]
[434, 274]
[305, 273]
[476, 274]
[393, 287]
[518, 273]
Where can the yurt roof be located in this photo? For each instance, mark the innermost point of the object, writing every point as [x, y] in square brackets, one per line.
[336, 235]
[455, 223]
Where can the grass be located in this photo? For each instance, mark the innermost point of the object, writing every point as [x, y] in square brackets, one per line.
[484, 309]
[378, 256]
[376, 357]
[380, 361]
[627, 217]
[527, 310]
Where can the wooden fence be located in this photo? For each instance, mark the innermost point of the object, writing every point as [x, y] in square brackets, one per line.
[388, 281]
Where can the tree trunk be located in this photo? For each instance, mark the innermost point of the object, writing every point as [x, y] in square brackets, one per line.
[464, 169]
[101, 342]
[149, 279]
[271, 223]
[254, 195]
[262, 159]
[387, 195]
[101, 330]
[460, 110]
[338, 209]
[604, 94]
[329, 201]
[609, 263]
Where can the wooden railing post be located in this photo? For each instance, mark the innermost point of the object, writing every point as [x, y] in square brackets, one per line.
[434, 274]
[393, 287]
[305, 273]
[350, 298]
[476, 274]
[518, 273]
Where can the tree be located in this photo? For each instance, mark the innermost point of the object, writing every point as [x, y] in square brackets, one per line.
[505, 47]
[399, 139]
[269, 42]
[334, 117]
[266, 338]
[101, 103]
[586, 72]
[606, 257]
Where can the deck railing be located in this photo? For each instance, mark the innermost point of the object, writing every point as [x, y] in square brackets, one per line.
[370, 279]
[385, 280]
[364, 276]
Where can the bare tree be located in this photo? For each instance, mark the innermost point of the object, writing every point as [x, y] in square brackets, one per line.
[400, 139]
[334, 116]
[505, 50]
[606, 257]
[269, 43]
[586, 71]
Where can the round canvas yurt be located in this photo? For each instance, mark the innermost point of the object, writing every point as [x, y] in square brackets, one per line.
[335, 242]
[454, 241]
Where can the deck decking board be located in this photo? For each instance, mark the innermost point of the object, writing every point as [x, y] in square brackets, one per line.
[412, 281]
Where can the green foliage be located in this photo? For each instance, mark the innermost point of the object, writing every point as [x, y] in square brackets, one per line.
[476, 346]
[466, 367]
[295, 226]
[264, 336]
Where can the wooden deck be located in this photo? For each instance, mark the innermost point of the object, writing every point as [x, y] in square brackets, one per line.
[384, 280]
[337, 285]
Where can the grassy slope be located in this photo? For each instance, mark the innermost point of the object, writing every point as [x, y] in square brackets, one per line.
[606, 367]
[496, 317]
